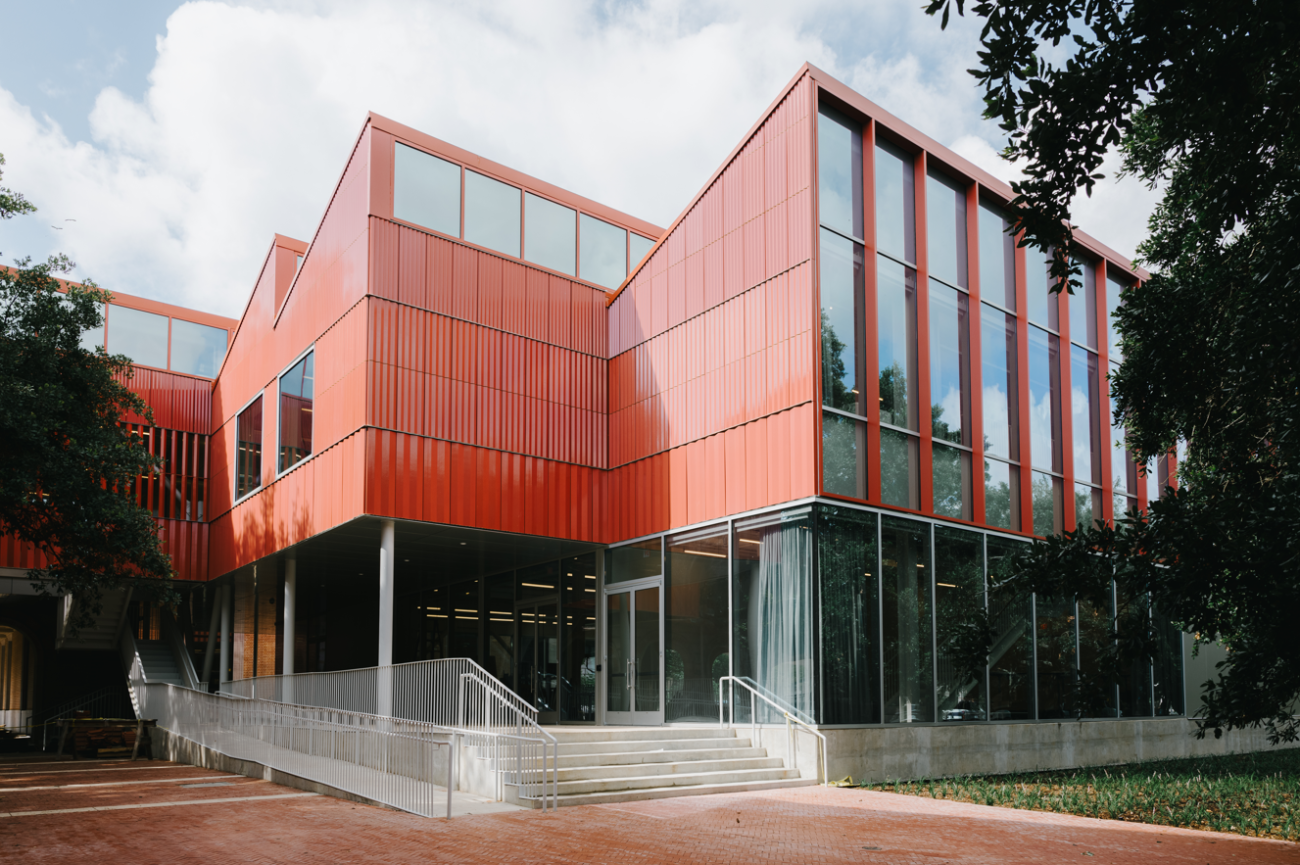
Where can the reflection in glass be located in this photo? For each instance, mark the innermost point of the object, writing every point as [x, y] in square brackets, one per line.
[426, 190]
[1044, 399]
[296, 388]
[998, 365]
[839, 173]
[1097, 692]
[141, 336]
[635, 561]
[842, 322]
[1056, 657]
[1168, 668]
[94, 337]
[1133, 626]
[951, 467]
[695, 623]
[499, 659]
[645, 660]
[492, 213]
[899, 465]
[772, 598]
[997, 258]
[1114, 293]
[1001, 494]
[1122, 468]
[1085, 397]
[895, 203]
[844, 448]
[618, 622]
[1046, 491]
[196, 348]
[907, 637]
[961, 624]
[850, 638]
[603, 258]
[1011, 659]
[578, 655]
[248, 449]
[949, 364]
[1087, 506]
[639, 246]
[1083, 306]
[945, 215]
[1042, 304]
[550, 234]
[896, 310]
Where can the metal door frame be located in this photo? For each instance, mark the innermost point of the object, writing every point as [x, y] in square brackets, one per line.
[633, 718]
[533, 604]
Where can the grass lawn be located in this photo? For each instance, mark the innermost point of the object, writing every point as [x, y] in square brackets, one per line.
[1248, 794]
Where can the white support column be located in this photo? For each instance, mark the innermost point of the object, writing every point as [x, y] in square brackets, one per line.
[227, 639]
[387, 533]
[290, 600]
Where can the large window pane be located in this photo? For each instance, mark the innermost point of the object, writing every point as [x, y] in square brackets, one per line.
[426, 190]
[1122, 469]
[1133, 624]
[695, 624]
[296, 392]
[1044, 399]
[1114, 294]
[997, 258]
[896, 309]
[94, 337]
[634, 561]
[895, 203]
[550, 234]
[1168, 668]
[959, 618]
[945, 215]
[603, 258]
[844, 449]
[1043, 309]
[842, 323]
[196, 348]
[1083, 307]
[773, 610]
[949, 364]
[1011, 660]
[899, 469]
[1097, 691]
[850, 639]
[1001, 494]
[141, 336]
[578, 655]
[639, 247]
[492, 213]
[1001, 386]
[1087, 506]
[248, 449]
[951, 474]
[908, 646]
[839, 170]
[1084, 410]
[1057, 673]
[1046, 491]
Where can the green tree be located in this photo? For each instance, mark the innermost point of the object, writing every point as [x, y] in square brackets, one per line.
[1201, 99]
[68, 465]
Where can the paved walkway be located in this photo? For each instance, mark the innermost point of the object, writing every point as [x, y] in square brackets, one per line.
[155, 812]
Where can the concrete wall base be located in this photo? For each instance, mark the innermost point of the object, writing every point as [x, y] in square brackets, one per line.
[877, 754]
[178, 749]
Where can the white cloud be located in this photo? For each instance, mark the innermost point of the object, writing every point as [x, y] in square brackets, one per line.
[251, 110]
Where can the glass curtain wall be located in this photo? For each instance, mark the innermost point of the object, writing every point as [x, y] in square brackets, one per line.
[907, 623]
[960, 613]
[1000, 381]
[695, 623]
[1085, 398]
[578, 651]
[844, 442]
[849, 582]
[1011, 616]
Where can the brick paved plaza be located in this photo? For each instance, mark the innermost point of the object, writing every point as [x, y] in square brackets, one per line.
[102, 813]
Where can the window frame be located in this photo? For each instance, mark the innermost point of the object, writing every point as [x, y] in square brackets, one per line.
[235, 498]
[279, 473]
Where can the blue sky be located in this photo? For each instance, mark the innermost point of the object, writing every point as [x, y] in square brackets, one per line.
[166, 142]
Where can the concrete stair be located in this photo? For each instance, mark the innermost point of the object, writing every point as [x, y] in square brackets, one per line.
[622, 764]
[158, 662]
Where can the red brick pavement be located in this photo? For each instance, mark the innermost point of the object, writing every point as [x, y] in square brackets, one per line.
[809, 824]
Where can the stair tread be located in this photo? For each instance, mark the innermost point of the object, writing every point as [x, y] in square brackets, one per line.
[670, 792]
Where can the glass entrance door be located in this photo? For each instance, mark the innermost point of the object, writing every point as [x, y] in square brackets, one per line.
[539, 660]
[634, 682]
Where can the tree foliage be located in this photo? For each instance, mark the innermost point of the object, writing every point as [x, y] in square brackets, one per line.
[1201, 99]
[68, 465]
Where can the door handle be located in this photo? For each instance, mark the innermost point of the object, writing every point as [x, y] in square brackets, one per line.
[629, 674]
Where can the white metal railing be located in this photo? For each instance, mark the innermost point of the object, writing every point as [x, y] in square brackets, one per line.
[484, 713]
[501, 727]
[792, 717]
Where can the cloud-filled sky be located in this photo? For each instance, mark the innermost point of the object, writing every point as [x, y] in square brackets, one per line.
[164, 143]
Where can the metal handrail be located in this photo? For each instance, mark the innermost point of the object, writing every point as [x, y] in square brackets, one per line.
[791, 718]
[505, 714]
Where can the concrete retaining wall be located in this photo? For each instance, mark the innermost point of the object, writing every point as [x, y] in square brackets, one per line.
[933, 751]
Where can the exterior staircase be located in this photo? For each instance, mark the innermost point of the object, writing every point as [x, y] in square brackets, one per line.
[622, 764]
[159, 663]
